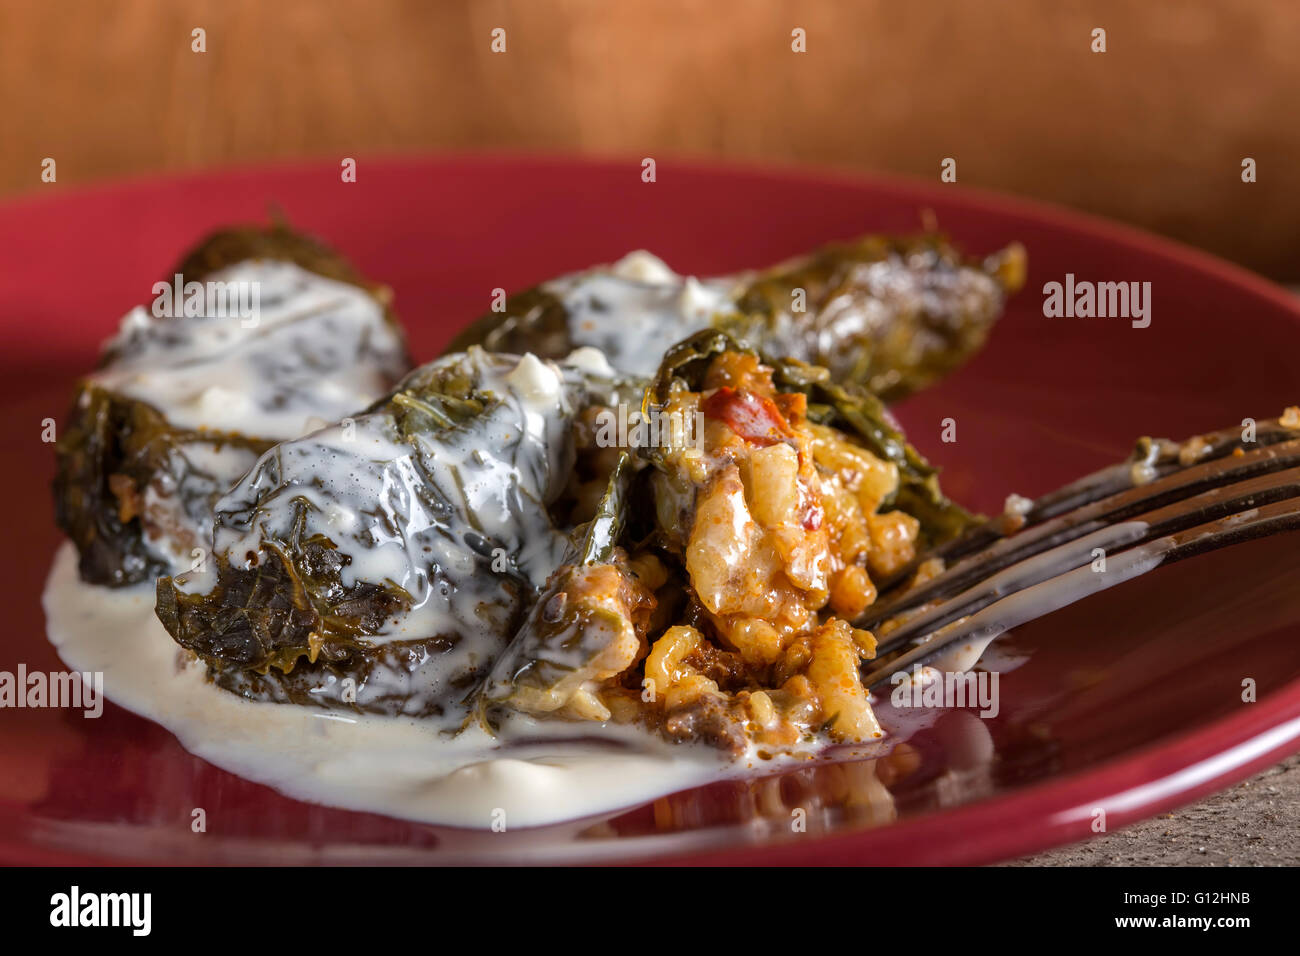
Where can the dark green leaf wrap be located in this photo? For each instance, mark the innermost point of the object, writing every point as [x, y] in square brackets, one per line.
[587, 625]
[133, 490]
[400, 549]
[892, 314]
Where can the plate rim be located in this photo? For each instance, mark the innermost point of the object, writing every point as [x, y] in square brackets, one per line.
[1048, 813]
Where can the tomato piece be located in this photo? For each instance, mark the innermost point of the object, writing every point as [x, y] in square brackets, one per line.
[754, 418]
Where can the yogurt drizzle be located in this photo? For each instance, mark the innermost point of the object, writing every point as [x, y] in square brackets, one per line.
[316, 350]
[655, 307]
[399, 766]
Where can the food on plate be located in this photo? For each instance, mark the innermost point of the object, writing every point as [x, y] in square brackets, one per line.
[442, 555]
[727, 616]
[891, 313]
[621, 539]
[258, 334]
[379, 563]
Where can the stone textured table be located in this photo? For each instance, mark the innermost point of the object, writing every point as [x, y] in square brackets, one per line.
[1256, 823]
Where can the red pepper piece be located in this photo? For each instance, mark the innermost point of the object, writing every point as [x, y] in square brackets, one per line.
[753, 417]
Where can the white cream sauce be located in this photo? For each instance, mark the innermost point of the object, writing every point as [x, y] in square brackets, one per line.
[398, 766]
[447, 517]
[313, 348]
[456, 517]
[310, 349]
[533, 774]
[654, 306]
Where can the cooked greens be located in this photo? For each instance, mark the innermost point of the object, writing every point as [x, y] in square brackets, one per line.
[587, 625]
[893, 314]
[488, 539]
[186, 399]
[400, 548]
[133, 492]
[413, 559]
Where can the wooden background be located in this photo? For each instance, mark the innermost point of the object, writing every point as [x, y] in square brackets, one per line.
[1153, 131]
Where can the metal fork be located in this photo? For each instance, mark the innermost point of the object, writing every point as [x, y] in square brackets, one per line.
[1168, 502]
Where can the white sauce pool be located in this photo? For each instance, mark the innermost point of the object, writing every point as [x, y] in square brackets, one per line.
[403, 767]
[390, 765]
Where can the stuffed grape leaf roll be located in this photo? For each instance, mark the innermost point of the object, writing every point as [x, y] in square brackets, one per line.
[257, 335]
[713, 595]
[383, 562]
[893, 314]
[729, 617]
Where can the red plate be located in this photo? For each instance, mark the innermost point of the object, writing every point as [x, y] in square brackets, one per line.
[1130, 702]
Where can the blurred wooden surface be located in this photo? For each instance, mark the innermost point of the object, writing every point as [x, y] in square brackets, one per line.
[1152, 131]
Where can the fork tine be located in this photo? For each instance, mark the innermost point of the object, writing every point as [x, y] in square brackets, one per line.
[999, 551]
[1055, 592]
[1018, 569]
[1157, 457]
